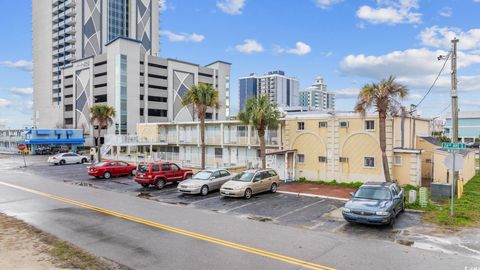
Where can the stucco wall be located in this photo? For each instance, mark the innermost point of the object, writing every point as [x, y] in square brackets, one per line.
[441, 171]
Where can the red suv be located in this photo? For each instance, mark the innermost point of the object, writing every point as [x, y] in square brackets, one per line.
[159, 174]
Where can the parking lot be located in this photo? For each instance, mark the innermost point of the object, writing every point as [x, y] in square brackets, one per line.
[310, 213]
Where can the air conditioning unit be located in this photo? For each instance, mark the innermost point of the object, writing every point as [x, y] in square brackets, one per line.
[344, 124]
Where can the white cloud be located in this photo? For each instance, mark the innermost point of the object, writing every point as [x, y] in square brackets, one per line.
[183, 37]
[22, 91]
[232, 7]
[5, 103]
[250, 46]
[440, 37]
[20, 64]
[346, 93]
[391, 12]
[325, 4]
[446, 12]
[416, 68]
[300, 49]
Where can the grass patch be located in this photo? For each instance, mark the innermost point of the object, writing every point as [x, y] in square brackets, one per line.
[416, 205]
[467, 208]
[333, 183]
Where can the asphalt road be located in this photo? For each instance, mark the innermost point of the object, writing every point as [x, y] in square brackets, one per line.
[146, 234]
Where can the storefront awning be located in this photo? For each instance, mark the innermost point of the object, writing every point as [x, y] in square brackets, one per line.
[56, 141]
[58, 132]
[43, 132]
[69, 132]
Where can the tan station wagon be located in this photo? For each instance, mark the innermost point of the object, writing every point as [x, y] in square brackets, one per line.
[250, 182]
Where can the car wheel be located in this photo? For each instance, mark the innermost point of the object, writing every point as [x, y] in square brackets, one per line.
[107, 175]
[133, 172]
[273, 188]
[84, 160]
[160, 183]
[204, 190]
[145, 185]
[403, 206]
[62, 162]
[392, 221]
[248, 194]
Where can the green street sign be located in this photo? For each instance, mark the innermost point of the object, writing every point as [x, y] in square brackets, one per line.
[454, 145]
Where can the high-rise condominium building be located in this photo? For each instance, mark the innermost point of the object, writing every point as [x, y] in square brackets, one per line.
[89, 52]
[282, 90]
[317, 97]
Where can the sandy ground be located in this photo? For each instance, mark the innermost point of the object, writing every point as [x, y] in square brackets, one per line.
[22, 247]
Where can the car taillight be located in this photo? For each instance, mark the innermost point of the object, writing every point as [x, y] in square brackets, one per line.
[149, 176]
[54, 158]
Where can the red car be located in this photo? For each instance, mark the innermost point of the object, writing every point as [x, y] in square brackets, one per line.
[109, 168]
[159, 174]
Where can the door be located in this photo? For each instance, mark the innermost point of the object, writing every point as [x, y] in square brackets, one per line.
[396, 204]
[176, 172]
[167, 172]
[113, 168]
[217, 182]
[258, 183]
[123, 168]
[266, 181]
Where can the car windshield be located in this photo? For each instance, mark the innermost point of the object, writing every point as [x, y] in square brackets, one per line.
[203, 175]
[143, 168]
[100, 164]
[373, 193]
[243, 177]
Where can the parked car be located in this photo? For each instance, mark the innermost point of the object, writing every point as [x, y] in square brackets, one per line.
[205, 181]
[43, 151]
[375, 203]
[67, 158]
[159, 174]
[59, 149]
[109, 168]
[250, 182]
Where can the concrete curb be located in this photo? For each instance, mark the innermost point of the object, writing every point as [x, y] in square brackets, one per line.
[313, 195]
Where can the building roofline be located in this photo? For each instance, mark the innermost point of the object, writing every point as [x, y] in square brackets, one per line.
[219, 61]
[124, 38]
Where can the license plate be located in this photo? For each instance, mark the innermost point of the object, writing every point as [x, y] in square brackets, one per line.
[226, 193]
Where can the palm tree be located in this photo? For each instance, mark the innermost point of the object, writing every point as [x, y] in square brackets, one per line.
[101, 115]
[202, 97]
[383, 97]
[261, 114]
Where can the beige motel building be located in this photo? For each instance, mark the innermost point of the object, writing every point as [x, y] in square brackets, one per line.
[313, 145]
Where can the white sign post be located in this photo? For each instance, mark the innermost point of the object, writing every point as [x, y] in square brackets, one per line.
[454, 161]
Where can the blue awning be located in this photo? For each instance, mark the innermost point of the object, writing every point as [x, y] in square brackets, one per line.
[55, 141]
[58, 132]
[27, 131]
[69, 132]
[43, 132]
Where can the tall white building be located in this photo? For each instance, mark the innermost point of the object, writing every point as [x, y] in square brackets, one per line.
[281, 89]
[89, 52]
[317, 97]
[68, 30]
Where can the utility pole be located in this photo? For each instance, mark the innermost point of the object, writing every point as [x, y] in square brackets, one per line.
[454, 117]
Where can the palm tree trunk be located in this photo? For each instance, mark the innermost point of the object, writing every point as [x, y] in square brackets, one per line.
[202, 135]
[99, 144]
[383, 145]
[261, 137]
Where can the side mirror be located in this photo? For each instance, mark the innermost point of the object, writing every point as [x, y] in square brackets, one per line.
[397, 197]
[352, 194]
[213, 177]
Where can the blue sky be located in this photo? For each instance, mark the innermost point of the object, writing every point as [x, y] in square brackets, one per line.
[349, 43]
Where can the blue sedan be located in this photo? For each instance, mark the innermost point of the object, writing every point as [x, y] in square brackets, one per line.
[376, 203]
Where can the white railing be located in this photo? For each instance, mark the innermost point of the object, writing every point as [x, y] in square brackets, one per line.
[112, 139]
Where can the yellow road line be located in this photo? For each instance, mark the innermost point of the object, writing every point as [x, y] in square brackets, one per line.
[218, 241]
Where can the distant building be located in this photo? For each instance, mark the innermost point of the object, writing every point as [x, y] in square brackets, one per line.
[468, 126]
[317, 97]
[281, 90]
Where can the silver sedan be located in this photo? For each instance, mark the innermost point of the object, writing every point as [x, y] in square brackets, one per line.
[205, 181]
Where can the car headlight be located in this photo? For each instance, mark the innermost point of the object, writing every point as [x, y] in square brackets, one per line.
[382, 213]
[346, 210]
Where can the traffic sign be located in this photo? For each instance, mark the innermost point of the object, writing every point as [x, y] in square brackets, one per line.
[448, 161]
[454, 145]
[21, 147]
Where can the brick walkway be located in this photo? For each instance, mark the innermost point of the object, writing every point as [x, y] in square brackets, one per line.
[318, 189]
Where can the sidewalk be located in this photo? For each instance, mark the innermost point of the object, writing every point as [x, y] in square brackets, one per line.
[321, 190]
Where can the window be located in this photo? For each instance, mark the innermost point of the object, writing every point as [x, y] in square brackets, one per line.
[141, 111]
[157, 99]
[343, 159]
[121, 163]
[112, 164]
[157, 87]
[68, 108]
[160, 113]
[165, 167]
[428, 161]
[300, 125]
[157, 76]
[369, 162]
[100, 98]
[224, 173]
[142, 97]
[322, 124]
[344, 124]
[100, 85]
[209, 116]
[322, 159]
[100, 74]
[156, 168]
[300, 158]
[369, 125]
[217, 174]
[272, 173]
[398, 160]
[157, 66]
[68, 121]
[175, 168]
[218, 152]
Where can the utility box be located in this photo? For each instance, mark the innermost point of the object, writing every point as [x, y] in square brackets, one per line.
[412, 196]
[440, 190]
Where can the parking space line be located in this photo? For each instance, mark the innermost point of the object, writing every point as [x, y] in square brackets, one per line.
[235, 208]
[299, 209]
[207, 199]
[210, 239]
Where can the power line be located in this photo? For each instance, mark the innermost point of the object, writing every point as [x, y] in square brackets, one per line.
[448, 106]
[435, 81]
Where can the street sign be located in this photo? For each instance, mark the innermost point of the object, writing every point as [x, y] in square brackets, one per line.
[448, 161]
[454, 145]
[21, 147]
